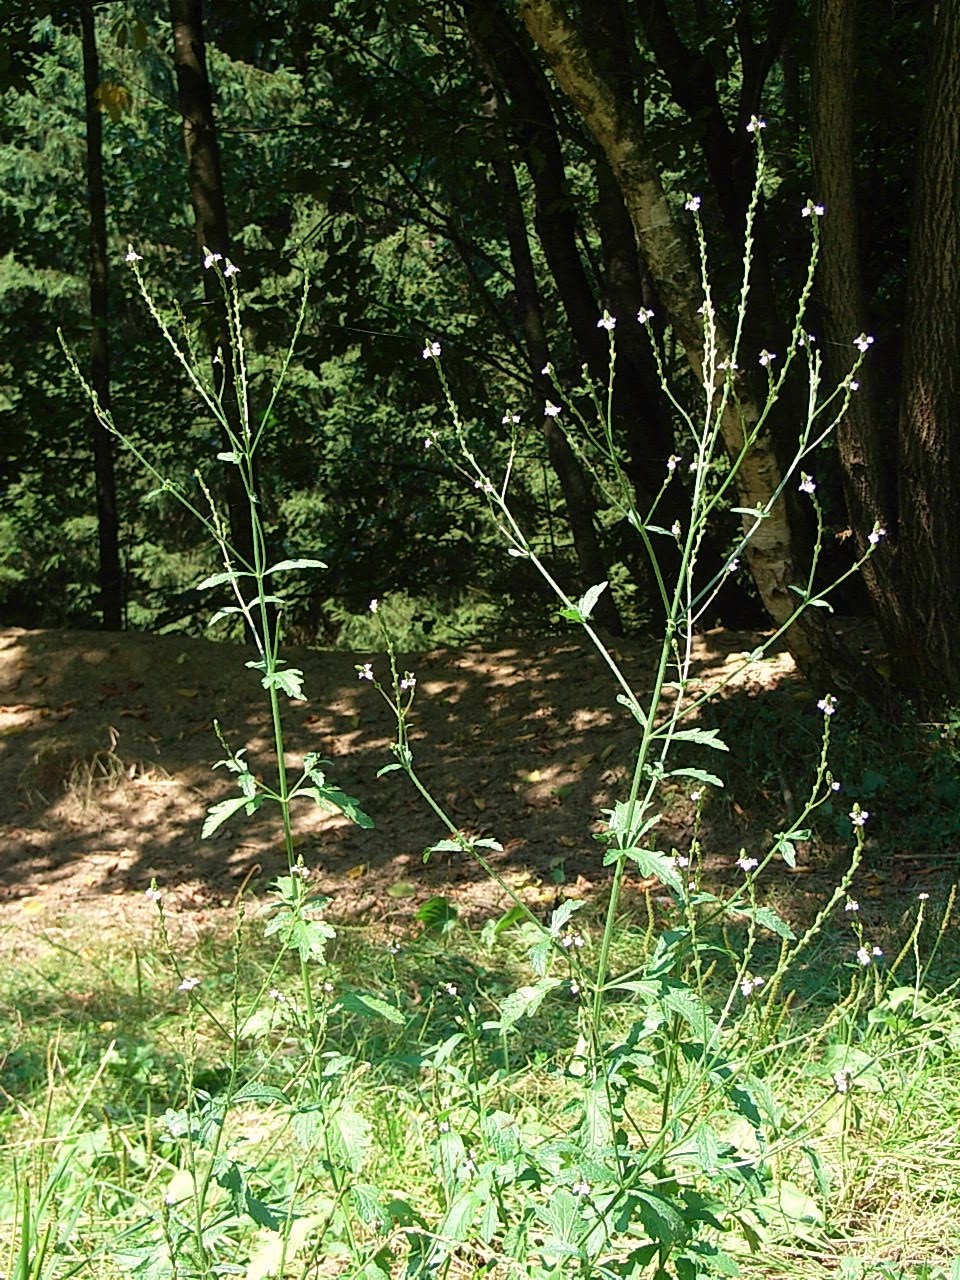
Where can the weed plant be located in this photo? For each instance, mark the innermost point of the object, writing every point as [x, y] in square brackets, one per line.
[583, 1095]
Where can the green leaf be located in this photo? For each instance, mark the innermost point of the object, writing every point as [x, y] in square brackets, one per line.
[563, 913]
[525, 1001]
[588, 600]
[699, 775]
[348, 1137]
[223, 613]
[705, 737]
[219, 813]
[217, 579]
[633, 706]
[368, 1006]
[288, 681]
[767, 917]
[438, 913]
[388, 768]
[650, 862]
[294, 564]
[333, 800]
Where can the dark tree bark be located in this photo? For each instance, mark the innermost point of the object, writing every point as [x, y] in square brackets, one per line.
[210, 212]
[612, 119]
[108, 525]
[866, 446]
[927, 657]
[574, 482]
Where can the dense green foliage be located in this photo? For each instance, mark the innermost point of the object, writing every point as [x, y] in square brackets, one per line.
[355, 146]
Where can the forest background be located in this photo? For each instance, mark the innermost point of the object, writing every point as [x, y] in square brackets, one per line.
[495, 177]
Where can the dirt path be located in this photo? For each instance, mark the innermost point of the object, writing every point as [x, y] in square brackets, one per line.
[106, 746]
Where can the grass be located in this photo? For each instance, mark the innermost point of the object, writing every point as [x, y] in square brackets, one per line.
[101, 1053]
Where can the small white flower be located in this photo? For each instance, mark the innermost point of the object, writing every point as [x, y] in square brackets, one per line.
[672, 462]
[276, 994]
[749, 985]
[923, 897]
[374, 605]
[681, 860]
[645, 314]
[211, 258]
[132, 255]
[429, 442]
[327, 987]
[746, 864]
[580, 1189]
[152, 894]
[231, 269]
[300, 871]
[729, 365]
[733, 566]
[877, 533]
[756, 124]
[510, 419]
[188, 984]
[443, 1126]
[365, 672]
[828, 705]
[693, 204]
[695, 796]
[852, 905]
[450, 989]
[409, 680]
[858, 816]
[841, 1080]
[811, 210]
[607, 322]
[675, 529]
[766, 358]
[834, 786]
[806, 340]
[551, 409]
[854, 384]
[431, 351]
[574, 988]
[807, 483]
[863, 343]
[547, 370]
[867, 955]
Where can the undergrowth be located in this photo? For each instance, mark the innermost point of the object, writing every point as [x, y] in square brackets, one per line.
[708, 1089]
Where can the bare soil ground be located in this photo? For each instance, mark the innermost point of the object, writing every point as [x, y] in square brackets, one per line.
[107, 742]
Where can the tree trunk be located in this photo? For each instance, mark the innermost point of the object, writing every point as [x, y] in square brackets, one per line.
[210, 211]
[867, 455]
[574, 482]
[676, 275]
[927, 657]
[108, 527]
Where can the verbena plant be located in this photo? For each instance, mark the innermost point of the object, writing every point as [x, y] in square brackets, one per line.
[663, 1147]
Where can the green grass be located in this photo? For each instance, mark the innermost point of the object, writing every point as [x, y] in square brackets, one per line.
[101, 1055]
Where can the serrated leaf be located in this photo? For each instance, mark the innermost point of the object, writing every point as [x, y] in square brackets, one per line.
[348, 1137]
[223, 613]
[438, 913]
[368, 1006]
[563, 913]
[768, 918]
[650, 862]
[217, 579]
[294, 564]
[525, 1001]
[219, 813]
[705, 737]
[588, 600]
[288, 681]
[336, 801]
[699, 775]
[633, 706]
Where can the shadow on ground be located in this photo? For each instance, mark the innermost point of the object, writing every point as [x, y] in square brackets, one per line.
[107, 742]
